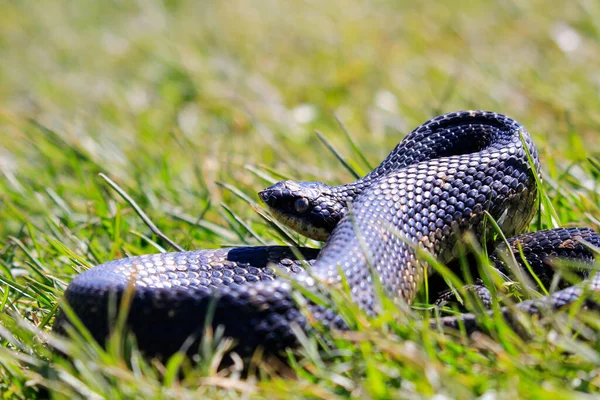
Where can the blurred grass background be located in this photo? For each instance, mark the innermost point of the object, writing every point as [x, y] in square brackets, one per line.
[172, 98]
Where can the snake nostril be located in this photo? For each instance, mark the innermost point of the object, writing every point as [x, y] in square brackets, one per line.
[264, 196]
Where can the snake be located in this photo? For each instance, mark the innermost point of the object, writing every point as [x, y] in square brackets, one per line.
[449, 176]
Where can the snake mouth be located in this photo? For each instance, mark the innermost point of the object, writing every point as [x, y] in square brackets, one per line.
[301, 226]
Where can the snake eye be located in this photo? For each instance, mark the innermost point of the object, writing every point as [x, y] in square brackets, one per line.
[301, 205]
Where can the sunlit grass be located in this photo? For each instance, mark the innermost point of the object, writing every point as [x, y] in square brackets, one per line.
[193, 107]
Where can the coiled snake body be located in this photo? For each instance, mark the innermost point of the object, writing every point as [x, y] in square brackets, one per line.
[439, 181]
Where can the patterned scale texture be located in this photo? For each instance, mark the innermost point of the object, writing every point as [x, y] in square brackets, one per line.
[436, 183]
[541, 250]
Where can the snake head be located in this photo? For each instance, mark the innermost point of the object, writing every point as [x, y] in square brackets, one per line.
[310, 208]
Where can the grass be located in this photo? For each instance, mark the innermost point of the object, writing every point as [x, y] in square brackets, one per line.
[192, 107]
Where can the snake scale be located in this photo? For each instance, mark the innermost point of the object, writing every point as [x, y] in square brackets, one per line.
[438, 182]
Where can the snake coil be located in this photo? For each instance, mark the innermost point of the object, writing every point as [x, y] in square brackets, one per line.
[439, 181]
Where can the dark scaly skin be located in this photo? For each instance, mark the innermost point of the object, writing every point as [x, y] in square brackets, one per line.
[439, 180]
[174, 291]
[541, 249]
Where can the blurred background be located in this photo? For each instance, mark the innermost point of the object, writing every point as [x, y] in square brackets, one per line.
[171, 97]
[192, 107]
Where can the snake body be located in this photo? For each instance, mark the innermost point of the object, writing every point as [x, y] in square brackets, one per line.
[439, 181]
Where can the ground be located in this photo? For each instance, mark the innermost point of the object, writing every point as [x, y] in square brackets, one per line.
[193, 107]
